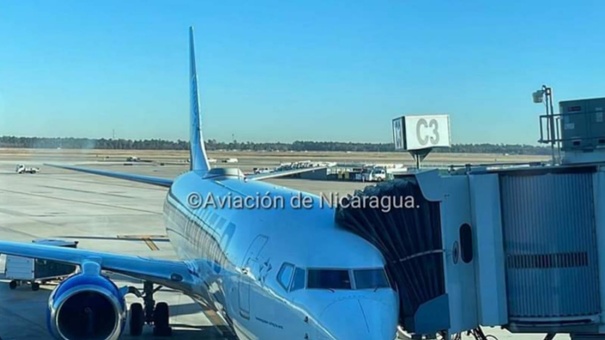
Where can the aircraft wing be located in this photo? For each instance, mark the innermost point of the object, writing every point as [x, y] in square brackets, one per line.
[163, 182]
[173, 274]
[258, 177]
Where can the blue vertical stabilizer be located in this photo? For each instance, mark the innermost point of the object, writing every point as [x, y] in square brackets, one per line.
[197, 152]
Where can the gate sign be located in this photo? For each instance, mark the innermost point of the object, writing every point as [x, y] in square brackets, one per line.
[421, 132]
[398, 133]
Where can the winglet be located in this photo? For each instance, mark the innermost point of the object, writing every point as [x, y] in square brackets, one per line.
[197, 151]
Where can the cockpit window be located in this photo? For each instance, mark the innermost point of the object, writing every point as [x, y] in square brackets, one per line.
[370, 278]
[299, 279]
[328, 279]
[285, 275]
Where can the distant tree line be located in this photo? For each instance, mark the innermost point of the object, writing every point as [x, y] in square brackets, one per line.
[213, 145]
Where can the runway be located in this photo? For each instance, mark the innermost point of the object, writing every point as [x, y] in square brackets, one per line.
[108, 215]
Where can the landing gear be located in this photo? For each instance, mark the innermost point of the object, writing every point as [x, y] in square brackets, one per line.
[148, 301]
[137, 319]
[16, 283]
[161, 320]
[149, 313]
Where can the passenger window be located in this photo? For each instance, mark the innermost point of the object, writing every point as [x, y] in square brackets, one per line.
[328, 279]
[221, 223]
[213, 219]
[284, 276]
[299, 279]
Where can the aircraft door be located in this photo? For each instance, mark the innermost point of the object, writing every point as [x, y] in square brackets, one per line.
[245, 285]
[248, 272]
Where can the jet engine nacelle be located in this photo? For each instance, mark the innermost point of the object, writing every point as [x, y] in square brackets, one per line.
[86, 306]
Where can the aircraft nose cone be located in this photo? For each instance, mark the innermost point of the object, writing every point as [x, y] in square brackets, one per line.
[360, 319]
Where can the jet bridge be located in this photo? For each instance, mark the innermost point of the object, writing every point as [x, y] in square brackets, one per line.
[518, 248]
[411, 242]
[428, 247]
[521, 247]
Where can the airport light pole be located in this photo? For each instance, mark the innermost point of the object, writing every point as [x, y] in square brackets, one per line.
[545, 95]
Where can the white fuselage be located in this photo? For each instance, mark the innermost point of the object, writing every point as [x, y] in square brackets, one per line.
[255, 261]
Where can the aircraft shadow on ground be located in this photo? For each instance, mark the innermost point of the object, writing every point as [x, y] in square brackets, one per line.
[186, 332]
[203, 332]
[185, 309]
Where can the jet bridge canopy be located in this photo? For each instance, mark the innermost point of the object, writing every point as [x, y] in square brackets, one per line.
[411, 243]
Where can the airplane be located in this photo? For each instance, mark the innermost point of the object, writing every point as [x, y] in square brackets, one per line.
[287, 272]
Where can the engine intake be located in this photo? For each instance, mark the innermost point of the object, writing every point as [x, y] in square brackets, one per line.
[86, 306]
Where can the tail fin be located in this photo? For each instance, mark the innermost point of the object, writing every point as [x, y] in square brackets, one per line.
[197, 151]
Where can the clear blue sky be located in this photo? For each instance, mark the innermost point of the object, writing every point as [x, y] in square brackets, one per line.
[285, 70]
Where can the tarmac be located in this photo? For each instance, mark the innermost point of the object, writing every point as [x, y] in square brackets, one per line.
[99, 213]
[110, 215]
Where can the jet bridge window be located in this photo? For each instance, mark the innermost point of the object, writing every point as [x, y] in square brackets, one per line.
[328, 279]
[466, 243]
[284, 276]
[370, 278]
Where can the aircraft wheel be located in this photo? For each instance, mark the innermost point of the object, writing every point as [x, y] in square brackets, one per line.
[161, 320]
[35, 286]
[137, 319]
[161, 315]
[12, 284]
